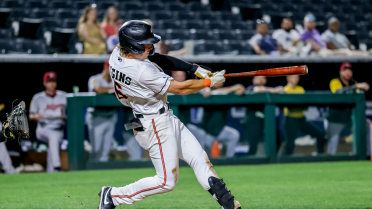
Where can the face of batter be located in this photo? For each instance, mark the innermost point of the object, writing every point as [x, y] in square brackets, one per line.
[143, 56]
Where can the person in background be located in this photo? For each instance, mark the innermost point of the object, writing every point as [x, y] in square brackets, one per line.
[48, 109]
[295, 120]
[339, 118]
[5, 160]
[109, 23]
[287, 37]
[255, 115]
[101, 120]
[262, 42]
[90, 32]
[310, 36]
[333, 38]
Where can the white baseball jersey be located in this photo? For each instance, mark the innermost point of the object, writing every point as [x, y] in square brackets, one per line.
[51, 108]
[96, 81]
[139, 84]
[285, 38]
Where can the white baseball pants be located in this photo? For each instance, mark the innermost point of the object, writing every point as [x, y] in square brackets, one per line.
[54, 139]
[167, 139]
[5, 160]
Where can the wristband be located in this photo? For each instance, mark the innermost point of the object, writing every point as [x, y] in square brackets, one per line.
[207, 82]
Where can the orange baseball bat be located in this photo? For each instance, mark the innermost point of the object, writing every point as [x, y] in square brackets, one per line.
[282, 71]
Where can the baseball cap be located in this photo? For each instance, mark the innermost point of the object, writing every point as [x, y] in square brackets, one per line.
[345, 65]
[49, 76]
[106, 64]
[309, 18]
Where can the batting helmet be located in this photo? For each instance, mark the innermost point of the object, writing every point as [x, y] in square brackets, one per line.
[134, 34]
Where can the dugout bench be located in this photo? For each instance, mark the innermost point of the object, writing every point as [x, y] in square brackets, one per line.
[76, 105]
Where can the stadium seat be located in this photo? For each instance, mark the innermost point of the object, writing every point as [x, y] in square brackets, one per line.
[186, 15]
[129, 6]
[154, 6]
[11, 4]
[29, 28]
[61, 40]
[6, 33]
[33, 46]
[9, 46]
[81, 4]
[230, 17]
[175, 6]
[51, 23]
[70, 23]
[106, 4]
[170, 24]
[219, 25]
[200, 49]
[41, 13]
[67, 13]
[195, 24]
[59, 4]
[35, 4]
[177, 34]
[4, 17]
[197, 6]
[174, 45]
[139, 15]
[161, 15]
[203, 35]
[242, 47]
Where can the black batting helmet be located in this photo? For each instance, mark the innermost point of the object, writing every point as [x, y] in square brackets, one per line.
[134, 34]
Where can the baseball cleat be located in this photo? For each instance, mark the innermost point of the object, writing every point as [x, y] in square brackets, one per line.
[105, 201]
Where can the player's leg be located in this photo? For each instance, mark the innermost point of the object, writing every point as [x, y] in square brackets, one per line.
[333, 132]
[314, 132]
[5, 160]
[291, 126]
[54, 140]
[98, 136]
[108, 136]
[230, 137]
[193, 154]
[159, 138]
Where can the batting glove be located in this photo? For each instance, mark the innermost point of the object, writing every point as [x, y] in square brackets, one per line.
[218, 78]
[203, 73]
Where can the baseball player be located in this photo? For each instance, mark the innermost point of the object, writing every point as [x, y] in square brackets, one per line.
[143, 86]
[48, 109]
[100, 120]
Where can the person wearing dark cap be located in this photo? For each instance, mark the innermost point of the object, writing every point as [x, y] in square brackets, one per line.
[101, 120]
[48, 109]
[339, 118]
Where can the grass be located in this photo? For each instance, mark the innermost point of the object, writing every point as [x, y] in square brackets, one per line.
[309, 185]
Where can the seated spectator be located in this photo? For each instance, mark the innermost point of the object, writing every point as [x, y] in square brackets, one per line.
[311, 36]
[338, 42]
[90, 32]
[262, 42]
[339, 118]
[109, 22]
[333, 38]
[295, 120]
[287, 37]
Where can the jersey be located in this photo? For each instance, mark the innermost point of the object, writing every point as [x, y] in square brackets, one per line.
[294, 112]
[139, 84]
[94, 82]
[51, 108]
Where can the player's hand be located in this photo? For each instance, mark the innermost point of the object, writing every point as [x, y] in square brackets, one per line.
[203, 73]
[239, 89]
[364, 86]
[218, 78]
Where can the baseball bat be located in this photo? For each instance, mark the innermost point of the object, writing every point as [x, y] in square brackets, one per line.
[281, 71]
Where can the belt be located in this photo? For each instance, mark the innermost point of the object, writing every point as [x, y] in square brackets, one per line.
[161, 111]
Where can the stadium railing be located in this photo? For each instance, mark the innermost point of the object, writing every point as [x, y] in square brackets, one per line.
[77, 103]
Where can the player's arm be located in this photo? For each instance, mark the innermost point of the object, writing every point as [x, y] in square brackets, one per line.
[34, 107]
[169, 63]
[193, 86]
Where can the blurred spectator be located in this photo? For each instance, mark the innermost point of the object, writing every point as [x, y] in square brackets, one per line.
[339, 118]
[287, 37]
[262, 42]
[48, 109]
[109, 23]
[90, 32]
[311, 36]
[255, 115]
[101, 120]
[333, 38]
[338, 42]
[295, 120]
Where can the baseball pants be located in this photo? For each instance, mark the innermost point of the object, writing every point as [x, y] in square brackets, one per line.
[334, 131]
[5, 160]
[53, 138]
[101, 134]
[167, 139]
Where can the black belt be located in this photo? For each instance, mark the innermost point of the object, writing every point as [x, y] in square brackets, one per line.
[161, 111]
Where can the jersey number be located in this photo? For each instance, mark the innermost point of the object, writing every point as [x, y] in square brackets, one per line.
[118, 91]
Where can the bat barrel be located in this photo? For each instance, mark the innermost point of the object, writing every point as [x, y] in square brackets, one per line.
[282, 71]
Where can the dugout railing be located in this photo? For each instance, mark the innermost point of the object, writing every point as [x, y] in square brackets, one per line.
[76, 105]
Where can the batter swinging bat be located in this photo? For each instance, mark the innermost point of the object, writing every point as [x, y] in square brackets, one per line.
[282, 71]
